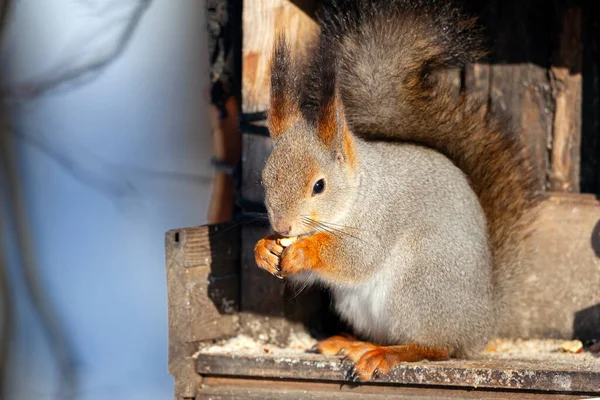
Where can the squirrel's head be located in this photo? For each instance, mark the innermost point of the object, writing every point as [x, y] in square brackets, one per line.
[310, 177]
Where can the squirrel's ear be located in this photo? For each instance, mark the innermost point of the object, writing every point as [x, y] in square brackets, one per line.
[284, 108]
[332, 128]
[331, 123]
[332, 131]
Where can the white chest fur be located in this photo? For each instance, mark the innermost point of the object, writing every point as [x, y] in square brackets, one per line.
[365, 307]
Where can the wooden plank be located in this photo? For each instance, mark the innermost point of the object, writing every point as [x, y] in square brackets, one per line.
[217, 388]
[519, 35]
[490, 373]
[523, 92]
[560, 295]
[181, 347]
[566, 83]
[227, 150]
[217, 246]
[263, 295]
[590, 139]
[202, 283]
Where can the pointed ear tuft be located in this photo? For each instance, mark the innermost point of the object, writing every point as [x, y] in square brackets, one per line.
[331, 121]
[284, 107]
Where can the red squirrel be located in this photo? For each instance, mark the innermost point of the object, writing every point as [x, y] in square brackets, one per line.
[409, 203]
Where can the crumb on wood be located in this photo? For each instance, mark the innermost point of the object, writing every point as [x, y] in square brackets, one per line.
[300, 342]
[534, 349]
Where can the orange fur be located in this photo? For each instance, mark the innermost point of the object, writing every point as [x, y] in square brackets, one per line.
[371, 361]
[328, 129]
[306, 254]
[327, 124]
[281, 116]
[349, 149]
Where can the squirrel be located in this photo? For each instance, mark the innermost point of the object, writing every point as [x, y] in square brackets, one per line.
[409, 203]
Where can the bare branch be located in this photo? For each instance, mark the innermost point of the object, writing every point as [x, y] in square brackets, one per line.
[84, 66]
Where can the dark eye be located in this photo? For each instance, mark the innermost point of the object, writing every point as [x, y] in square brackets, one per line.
[319, 187]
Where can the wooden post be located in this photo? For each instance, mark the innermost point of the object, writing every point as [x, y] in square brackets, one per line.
[228, 148]
[203, 286]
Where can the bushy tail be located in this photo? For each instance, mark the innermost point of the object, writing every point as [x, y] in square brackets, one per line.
[387, 54]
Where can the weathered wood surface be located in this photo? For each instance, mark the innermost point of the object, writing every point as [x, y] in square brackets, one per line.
[202, 281]
[221, 388]
[520, 39]
[227, 152]
[490, 374]
[566, 82]
[534, 75]
[263, 295]
[561, 286]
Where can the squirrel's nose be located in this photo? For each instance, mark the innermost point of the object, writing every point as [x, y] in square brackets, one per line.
[282, 227]
[284, 233]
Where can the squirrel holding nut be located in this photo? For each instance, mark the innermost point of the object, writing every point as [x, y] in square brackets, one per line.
[407, 201]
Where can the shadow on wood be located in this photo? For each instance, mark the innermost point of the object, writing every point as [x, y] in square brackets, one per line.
[595, 239]
[585, 324]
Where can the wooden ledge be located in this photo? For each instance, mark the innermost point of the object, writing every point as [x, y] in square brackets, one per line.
[547, 376]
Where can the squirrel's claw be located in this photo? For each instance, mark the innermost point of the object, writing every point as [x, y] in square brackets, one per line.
[314, 349]
[352, 375]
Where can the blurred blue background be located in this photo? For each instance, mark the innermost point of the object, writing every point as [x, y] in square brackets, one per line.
[109, 129]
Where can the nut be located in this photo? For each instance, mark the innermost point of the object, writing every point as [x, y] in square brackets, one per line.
[286, 241]
[571, 346]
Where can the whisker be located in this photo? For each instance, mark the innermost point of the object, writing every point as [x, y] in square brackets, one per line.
[304, 286]
[320, 228]
[339, 225]
[323, 226]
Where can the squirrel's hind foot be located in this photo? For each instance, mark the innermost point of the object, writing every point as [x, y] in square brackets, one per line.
[372, 361]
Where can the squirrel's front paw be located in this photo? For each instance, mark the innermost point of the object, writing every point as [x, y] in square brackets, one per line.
[267, 252]
[299, 256]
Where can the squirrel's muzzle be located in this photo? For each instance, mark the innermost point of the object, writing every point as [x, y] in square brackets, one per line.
[282, 226]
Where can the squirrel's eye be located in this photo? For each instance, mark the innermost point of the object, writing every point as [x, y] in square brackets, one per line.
[319, 187]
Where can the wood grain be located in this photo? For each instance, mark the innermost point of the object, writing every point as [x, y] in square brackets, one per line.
[566, 83]
[221, 388]
[484, 373]
[202, 295]
[560, 294]
[228, 150]
[523, 92]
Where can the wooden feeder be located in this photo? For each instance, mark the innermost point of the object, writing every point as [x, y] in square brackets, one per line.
[217, 292]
